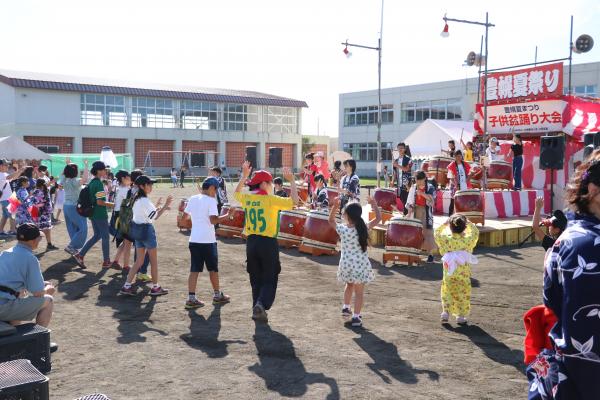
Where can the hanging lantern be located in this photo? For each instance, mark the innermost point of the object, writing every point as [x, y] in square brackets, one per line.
[347, 52]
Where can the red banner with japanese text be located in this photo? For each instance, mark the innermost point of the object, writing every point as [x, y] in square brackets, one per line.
[539, 82]
[581, 116]
[541, 116]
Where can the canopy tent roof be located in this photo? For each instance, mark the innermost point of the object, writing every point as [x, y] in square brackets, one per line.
[433, 134]
[13, 148]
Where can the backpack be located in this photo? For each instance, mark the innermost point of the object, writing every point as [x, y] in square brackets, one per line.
[125, 215]
[85, 207]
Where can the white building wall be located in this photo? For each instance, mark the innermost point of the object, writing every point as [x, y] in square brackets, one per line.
[35, 106]
[7, 104]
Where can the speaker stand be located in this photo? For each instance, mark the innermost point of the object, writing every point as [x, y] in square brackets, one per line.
[551, 190]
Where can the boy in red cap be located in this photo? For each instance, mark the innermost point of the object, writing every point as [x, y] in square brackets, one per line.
[261, 226]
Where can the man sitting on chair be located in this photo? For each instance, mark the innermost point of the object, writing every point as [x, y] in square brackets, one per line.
[24, 295]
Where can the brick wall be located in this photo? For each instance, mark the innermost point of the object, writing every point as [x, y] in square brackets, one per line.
[142, 146]
[235, 153]
[287, 156]
[193, 145]
[319, 147]
[94, 145]
[65, 144]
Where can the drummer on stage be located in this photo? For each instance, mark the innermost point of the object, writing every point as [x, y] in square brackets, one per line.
[262, 220]
[350, 184]
[516, 150]
[402, 174]
[336, 174]
[451, 148]
[493, 152]
[322, 165]
[320, 199]
[421, 198]
[458, 174]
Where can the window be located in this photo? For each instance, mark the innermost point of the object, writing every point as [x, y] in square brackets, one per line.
[368, 151]
[99, 109]
[368, 115]
[50, 149]
[423, 110]
[281, 119]
[152, 113]
[454, 109]
[587, 90]
[197, 115]
[435, 109]
[236, 117]
[408, 112]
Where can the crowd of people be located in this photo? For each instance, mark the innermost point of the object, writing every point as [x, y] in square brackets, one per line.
[565, 369]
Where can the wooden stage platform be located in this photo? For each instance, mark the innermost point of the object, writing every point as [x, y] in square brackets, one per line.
[495, 233]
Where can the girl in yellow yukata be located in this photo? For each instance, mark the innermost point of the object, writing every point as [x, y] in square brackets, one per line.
[456, 240]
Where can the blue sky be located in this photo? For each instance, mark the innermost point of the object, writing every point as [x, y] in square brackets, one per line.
[290, 48]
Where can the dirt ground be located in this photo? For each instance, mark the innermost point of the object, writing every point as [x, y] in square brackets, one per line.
[151, 348]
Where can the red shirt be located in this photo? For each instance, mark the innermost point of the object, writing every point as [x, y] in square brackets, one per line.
[420, 200]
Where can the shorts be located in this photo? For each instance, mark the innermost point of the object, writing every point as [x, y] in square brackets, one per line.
[24, 309]
[4, 206]
[144, 235]
[204, 253]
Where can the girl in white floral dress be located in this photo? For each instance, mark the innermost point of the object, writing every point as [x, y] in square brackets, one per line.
[355, 267]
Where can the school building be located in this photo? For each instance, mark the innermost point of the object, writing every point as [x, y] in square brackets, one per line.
[65, 114]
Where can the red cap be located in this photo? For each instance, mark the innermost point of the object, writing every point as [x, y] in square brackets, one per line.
[260, 177]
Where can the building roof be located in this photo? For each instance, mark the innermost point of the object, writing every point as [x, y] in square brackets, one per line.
[34, 80]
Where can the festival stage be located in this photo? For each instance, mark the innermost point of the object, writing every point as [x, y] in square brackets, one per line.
[502, 203]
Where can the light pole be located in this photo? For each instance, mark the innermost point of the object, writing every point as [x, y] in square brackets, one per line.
[487, 25]
[378, 48]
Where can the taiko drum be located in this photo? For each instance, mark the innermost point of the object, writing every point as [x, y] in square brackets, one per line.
[332, 194]
[471, 204]
[438, 169]
[291, 227]
[184, 221]
[319, 238]
[234, 225]
[476, 175]
[302, 192]
[403, 240]
[385, 199]
[499, 175]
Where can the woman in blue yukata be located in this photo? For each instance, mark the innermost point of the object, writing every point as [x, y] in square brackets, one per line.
[572, 290]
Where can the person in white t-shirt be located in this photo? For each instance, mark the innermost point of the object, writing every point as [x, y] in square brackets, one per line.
[142, 231]
[5, 193]
[493, 152]
[203, 211]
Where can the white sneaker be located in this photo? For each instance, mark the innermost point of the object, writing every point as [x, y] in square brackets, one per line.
[461, 320]
[444, 317]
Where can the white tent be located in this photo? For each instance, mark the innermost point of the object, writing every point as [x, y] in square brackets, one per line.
[13, 148]
[433, 135]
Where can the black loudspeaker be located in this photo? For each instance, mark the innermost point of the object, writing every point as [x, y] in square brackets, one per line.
[275, 157]
[588, 138]
[552, 152]
[251, 156]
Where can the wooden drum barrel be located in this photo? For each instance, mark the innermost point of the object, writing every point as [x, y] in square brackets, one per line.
[438, 169]
[499, 175]
[302, 192]
[386, 201]
[332, 194]
[476, 175]
[234, 225]
[319, 237]
[403, 240]
[471, 204]
[184, 221]
[291, 227]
